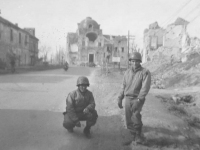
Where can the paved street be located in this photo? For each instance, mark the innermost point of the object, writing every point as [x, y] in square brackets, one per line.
[31, 106]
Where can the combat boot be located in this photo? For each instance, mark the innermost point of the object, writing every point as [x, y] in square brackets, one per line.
[132, 139]
[139, 139]
[86, 131]
[70, 130]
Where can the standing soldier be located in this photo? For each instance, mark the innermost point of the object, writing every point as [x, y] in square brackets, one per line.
[80, 107]
[135, 87]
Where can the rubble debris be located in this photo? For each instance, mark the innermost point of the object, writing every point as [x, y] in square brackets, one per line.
[178, 99]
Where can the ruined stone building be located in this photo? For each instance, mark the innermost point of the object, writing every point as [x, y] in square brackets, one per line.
[174, 33]
[20, 42]
[173, 37]
[153, 39]
[89, 45]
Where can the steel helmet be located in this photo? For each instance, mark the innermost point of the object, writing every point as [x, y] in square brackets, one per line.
[135, 56]
[83, 80]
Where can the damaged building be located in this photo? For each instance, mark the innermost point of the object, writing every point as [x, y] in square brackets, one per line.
[89, 45]
[173, 37]
[21, 43]
[153, 39]
[174, 33]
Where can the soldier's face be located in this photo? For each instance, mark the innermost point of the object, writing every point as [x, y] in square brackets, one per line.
[135, 63]
[82, 88]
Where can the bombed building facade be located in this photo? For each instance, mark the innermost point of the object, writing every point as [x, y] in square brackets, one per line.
[89, 45]
[174, 36]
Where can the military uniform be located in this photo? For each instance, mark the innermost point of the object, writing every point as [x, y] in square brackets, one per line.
[80, 107]
[135, 86]
[76, 103]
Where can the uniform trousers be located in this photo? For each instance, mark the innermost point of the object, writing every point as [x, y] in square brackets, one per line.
[90, 119]
[133, 108]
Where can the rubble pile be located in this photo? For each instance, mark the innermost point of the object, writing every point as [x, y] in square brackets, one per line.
[182, 99]
[172, 68]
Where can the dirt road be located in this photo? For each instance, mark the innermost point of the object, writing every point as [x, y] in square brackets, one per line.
[162, 129]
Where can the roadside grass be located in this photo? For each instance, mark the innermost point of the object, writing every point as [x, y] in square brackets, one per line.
[193, 121]
[173, 143]
[180, 111]
[162, 142]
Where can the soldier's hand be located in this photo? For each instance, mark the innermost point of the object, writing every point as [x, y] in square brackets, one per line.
[120, 104]
[136, 104]
[78, 124]
[86, 111]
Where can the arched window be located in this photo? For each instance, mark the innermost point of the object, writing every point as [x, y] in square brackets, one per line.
[90, 26]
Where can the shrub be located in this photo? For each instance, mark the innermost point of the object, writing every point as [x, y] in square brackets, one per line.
[2, 64]
[91, 64]
[45, 63]
[193, 121]
[178, 110]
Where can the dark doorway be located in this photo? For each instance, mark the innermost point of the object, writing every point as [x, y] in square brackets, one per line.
[91, 57]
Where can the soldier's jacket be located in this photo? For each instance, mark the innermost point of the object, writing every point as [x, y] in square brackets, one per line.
[136, 84]
[77, 102]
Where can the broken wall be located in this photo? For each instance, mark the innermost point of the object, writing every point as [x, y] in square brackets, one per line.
[173, 36]
[165, 55]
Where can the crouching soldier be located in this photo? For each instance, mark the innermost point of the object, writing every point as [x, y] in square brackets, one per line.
[80, 107]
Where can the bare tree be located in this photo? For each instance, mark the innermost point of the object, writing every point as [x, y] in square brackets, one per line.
[134, 47]
[44, 51]
[60, 55]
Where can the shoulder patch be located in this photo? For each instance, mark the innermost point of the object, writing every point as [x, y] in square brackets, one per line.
[145, 71]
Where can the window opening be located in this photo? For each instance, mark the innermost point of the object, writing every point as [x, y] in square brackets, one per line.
[90, 26]
[1, 29]
[26, 41]
[122, 49]
[115, 52]
[11, 35]
[91, 36]
[19, 38]
[107, 48]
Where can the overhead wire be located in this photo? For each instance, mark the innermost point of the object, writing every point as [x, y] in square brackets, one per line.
[178, 11]
[195, 17]
[189, 12]
[192, 11]
[185, 15]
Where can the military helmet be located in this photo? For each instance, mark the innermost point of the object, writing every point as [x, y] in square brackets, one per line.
[83, 80]
[135, 56]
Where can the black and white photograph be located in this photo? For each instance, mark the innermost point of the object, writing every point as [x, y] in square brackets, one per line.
[99, 75]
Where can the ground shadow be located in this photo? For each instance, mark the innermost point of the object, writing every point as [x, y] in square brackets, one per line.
[162, 137]
[38, 129]
[106, 135]
[35, 129]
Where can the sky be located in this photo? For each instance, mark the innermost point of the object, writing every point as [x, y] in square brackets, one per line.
[53, 19]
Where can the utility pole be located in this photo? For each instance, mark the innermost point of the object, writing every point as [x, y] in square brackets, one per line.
[128, 51]
[129, 37]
